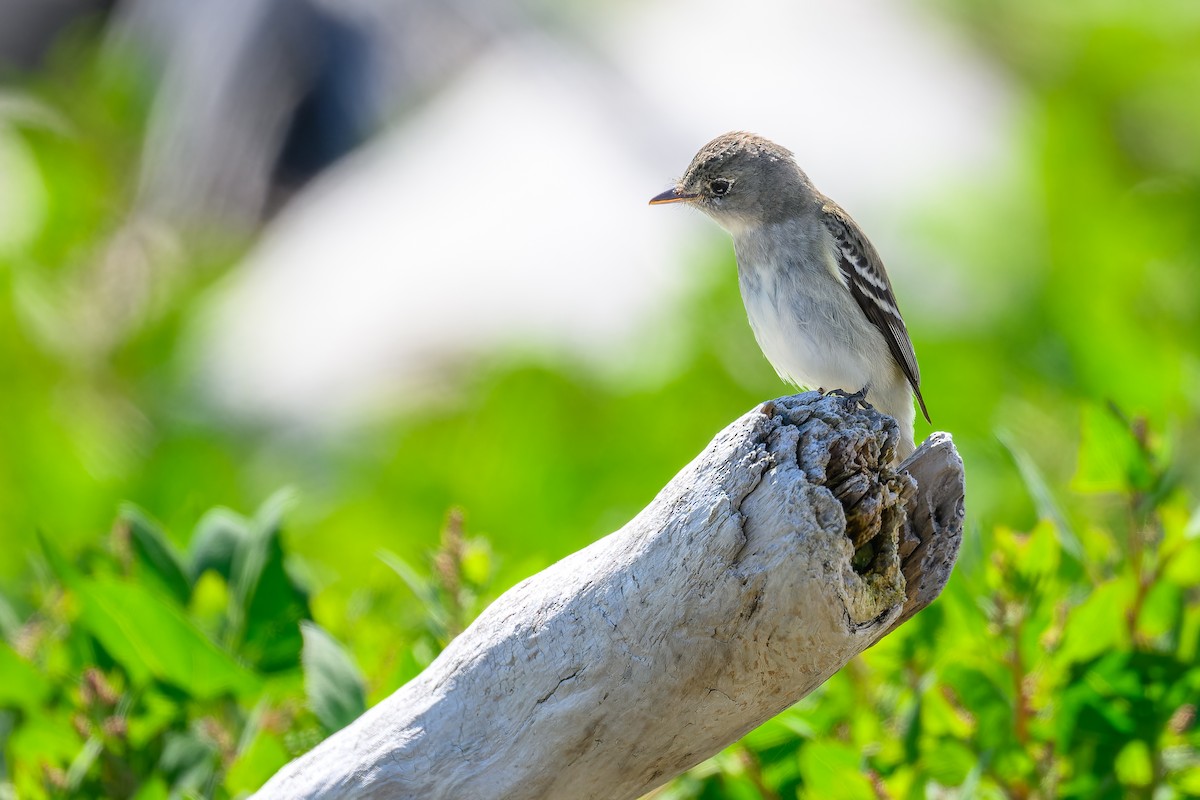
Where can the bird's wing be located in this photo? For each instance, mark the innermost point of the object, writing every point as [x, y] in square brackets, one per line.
[865, 277]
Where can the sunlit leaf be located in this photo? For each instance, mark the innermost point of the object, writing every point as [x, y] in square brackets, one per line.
[21, 684]
[1187, 781]
[833, 769]
[154, 789]
[261, 759]
[1162, 611]
[46, 738]
[1040, 554]
[1184, 567]
[150, 637]
[1098, 624]
[940, 718]
[1133, 765]
[477, 563]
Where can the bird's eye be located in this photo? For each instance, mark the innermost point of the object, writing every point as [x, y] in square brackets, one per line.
[719, 187]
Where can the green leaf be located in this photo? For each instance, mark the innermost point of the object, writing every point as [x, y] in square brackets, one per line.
[941, 717]
[1162, 610]
[153, 789]
[1187, 781]
[21, 685]
[150, 637]
[988, 703]
[335, 689]
[268, 604]
[156, 712]
[1184, 567]
[155, 554]
[261, 759]
[833, 769]
[1116, 699]
[45, 738]
[1097, 624]
[949, 762]
[1040, 556]
[1133, 765]
[477, 562]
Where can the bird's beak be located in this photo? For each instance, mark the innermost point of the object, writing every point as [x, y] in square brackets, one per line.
[672, 195]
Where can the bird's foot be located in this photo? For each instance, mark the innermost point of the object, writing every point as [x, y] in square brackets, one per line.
[859, 397]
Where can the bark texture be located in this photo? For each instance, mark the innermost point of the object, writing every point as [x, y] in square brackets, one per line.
[783, 550]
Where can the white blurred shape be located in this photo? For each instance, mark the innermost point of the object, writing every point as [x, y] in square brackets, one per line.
[512, 209]
[876, 98]
[505, 213]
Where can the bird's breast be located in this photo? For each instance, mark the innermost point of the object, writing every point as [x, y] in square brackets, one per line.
[807, 323]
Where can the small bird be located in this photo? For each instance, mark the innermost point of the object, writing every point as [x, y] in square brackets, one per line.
[818, 298]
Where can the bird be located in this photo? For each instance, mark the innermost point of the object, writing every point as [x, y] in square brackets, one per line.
[817, 296]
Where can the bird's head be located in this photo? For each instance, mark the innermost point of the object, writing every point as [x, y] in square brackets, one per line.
[741, 180]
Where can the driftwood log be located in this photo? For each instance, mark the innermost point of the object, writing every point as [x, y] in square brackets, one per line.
[786, 548]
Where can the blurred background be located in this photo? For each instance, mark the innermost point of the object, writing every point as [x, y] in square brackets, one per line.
[322, 324]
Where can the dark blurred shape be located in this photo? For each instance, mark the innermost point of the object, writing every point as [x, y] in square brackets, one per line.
[253, 98]
[336, 112]
[249, 90]
[28, 28]
[256, 97]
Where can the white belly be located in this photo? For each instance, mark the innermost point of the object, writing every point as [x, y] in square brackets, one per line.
[807, 336]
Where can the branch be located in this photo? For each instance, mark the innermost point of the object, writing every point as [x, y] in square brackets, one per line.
[785, 549]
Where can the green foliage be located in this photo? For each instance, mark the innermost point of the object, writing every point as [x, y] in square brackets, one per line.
[189, 650]
[120, 681]
[137, 671]
[1036, 675]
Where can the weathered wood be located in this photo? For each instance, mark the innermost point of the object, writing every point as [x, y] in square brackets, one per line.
[786, 548]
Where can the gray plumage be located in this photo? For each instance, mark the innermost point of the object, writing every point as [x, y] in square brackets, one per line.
[816, 292]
